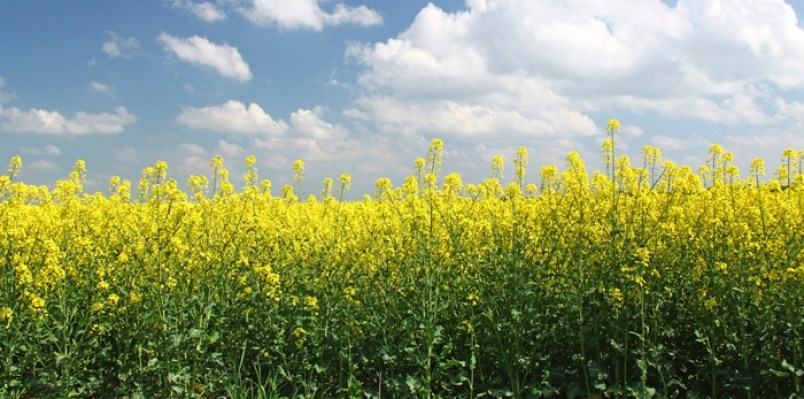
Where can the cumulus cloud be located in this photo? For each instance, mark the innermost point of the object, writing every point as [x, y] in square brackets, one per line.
[41, 121]
[473, 120]
[238, 118]
[119, 46]
[232, 117]
[101, 88]
[193, 164]
[540, 68]
[198, 50]
[307, 123]
[632, 131]
[191, 149]
[42, 165]
[229, 150]
[670, 143]
[307, 14]
[204, 11]
[371, 156]
[49, 150]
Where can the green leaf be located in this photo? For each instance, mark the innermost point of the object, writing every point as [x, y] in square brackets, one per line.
[212, 338]
[787, 365]
[574, 390]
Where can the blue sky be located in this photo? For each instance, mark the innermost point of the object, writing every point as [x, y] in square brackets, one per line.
[361, 86]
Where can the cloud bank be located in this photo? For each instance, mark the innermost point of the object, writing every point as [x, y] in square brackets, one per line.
[198, 50]
[34, 120]
[307, 14]
[538, 69]
[205, 11]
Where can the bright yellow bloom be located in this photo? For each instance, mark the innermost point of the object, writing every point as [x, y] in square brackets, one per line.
[311, 303]
[298, 168]
[613, 128]
[301, 336]
[217, 162]
[14, 166]
[6, 315]
[497, 167]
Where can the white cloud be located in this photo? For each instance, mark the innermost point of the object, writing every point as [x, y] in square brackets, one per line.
[42, 121]
[191, 149]
[235, 117]
[194, 164]
[373, 155]
[465, 119]
[360, 15]
[540, 68]
[204, 11]
[632, 131]
[42, 166]
[307, 123]
[670, 143]
[119, 46]
[232, 117]
[50, 150]
[198, 50]
[739, 108]
[768, 144]
[307, 14]
[229, 150]
[101, 88]
[775, 141]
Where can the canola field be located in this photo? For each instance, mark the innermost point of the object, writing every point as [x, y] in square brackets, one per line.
[645, 279]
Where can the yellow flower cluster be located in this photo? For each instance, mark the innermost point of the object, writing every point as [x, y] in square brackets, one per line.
[630, 235]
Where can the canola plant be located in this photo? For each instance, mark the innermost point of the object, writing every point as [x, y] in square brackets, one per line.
[636, 281]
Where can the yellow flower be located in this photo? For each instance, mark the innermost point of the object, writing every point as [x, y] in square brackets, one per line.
[135, 296]
[642, 255]
[715, 149]
[615, 297]
[758, 167]
[301, 336]
[250, 167]
[383, 185]
[349, 293]
[97, 307]
[497, 166]
[453, 182]
[170, 284]
[473, 299]
[326, 188]
[467, 325]
[14, 166]
[613, 128]
[37, 303]
[419, 164]
[430, 179]
[298, 170]
[250, 160]
[7, 315]
[217, 162]
[311, 303]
